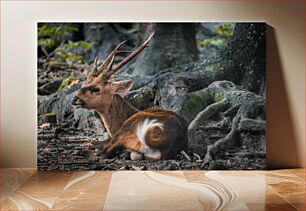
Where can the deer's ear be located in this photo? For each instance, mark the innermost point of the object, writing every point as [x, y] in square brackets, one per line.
[121, 87]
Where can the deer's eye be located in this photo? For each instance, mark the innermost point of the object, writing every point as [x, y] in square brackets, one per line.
[95, 90]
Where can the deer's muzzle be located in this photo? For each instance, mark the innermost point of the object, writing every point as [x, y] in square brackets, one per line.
[77, 102]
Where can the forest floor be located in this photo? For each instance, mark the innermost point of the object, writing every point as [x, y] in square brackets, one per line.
[61, 148]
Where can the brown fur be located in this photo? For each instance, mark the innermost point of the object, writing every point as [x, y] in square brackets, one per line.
[116, 114]
[170, 141]
[121, 120]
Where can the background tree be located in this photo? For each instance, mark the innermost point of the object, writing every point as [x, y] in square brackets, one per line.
[173, 44]
[244, 58]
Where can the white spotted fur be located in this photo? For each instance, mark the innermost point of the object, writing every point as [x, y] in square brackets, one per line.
[141, 132]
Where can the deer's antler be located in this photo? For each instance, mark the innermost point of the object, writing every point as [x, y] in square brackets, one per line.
[108, 61]
[106, 68]
[95, 70]
[111, 71]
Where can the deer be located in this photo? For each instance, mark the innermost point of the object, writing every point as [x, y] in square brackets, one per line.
[151, 134]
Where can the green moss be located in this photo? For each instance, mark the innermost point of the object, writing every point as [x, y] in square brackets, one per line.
[255, 111]
[218, 97]
[195, 103]
[198, 100]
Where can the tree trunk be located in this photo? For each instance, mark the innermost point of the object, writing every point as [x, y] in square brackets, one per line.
[103, 38]
[172, 45]
[243, 61]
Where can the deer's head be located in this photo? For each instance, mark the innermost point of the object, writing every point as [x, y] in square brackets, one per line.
[98, 90]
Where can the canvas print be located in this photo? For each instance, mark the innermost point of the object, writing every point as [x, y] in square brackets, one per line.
[151, 96]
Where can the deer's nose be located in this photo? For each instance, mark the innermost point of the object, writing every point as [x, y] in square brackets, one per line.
[74, 99]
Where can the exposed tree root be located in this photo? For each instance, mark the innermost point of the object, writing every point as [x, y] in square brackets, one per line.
[205, 114]
[228, 141]
[225, 106]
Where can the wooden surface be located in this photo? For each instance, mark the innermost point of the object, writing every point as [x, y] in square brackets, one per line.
[29, 189]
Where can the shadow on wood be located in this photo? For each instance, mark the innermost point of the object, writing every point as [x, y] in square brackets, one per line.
[281, 138]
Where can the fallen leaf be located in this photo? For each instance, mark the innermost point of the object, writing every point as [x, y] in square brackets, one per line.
[45, 126]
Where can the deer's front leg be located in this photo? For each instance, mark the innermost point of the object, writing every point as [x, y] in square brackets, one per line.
[112, 149]
[100, 145]
[125, 142]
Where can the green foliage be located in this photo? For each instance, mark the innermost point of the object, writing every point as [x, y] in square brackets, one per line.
[49, 35]
[56, 31]
[225, 30]
[66, 82]
[71, 50]
[83, 44]
[46, 43]
[70, 56]
[134, 28]
[213, 42]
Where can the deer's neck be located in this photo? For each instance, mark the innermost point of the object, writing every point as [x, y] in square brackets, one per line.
[116, 113]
